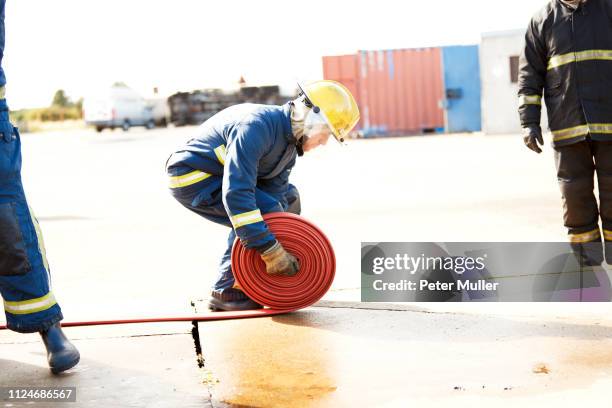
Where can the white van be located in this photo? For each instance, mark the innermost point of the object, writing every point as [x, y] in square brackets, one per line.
[160, 111]
[121, 107]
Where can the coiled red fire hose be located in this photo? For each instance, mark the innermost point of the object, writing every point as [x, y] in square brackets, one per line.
[308, 244]
[280, 293]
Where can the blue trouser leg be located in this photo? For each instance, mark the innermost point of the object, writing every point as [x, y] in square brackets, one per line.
[225, 278]
[293, 200]
[204, 199]
[29, 303]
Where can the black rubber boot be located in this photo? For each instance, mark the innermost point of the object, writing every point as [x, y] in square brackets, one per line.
[61, 354]
[231, 300]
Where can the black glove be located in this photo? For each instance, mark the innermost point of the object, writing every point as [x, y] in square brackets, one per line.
[532, 136]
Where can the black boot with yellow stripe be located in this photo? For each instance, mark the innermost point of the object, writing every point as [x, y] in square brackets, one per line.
[587, 246]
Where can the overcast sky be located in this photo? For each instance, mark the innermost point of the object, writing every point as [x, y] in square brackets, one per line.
[83, 45]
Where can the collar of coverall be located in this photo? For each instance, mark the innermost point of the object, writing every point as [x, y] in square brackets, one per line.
[573, 4]
[298, 115]
[287, 127]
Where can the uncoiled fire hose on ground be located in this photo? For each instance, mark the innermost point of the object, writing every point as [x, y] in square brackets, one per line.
[281, 294]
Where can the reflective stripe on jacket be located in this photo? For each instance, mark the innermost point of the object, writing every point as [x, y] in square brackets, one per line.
[568, 58]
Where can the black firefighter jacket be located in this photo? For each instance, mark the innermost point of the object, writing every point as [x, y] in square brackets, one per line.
[568, 54]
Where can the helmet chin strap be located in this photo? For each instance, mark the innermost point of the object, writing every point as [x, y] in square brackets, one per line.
[299, 110]
[573, 3]
[299, 147]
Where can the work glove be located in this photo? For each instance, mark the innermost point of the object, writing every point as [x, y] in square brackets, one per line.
[532, 136]
[280, 262]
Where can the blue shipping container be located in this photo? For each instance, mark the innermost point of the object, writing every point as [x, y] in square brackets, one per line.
[461, 67]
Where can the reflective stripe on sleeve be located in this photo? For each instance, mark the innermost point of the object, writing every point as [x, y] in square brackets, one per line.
[587, 55]
[530, 100]
[31, 305]
[584, 237]
[188, 179]
[220, 153]
[41, 241]
[607, 235]
[246, 218]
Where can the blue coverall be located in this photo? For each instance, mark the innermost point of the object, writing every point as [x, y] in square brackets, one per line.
[234, 171]
[29, 303]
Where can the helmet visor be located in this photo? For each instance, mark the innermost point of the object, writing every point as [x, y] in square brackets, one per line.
[315, 124]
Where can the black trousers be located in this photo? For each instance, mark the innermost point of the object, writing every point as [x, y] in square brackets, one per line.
[576, 167]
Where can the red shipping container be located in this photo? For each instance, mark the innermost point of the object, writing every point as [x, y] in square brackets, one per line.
[398, 91]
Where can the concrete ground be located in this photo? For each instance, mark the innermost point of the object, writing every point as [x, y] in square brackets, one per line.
[120, 246]
[331, 356]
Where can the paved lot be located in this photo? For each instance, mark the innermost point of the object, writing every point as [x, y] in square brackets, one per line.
[332, 357]
[120, 246]
[110, 223]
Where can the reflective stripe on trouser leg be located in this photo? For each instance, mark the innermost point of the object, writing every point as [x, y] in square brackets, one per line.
[587, 247]
[607, 233]
[603, 166]
[29, 303]
[575, 173]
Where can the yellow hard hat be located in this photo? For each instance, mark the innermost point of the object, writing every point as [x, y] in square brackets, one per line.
[336, 103]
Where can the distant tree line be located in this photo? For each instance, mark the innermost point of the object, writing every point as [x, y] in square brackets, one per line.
[61, 108]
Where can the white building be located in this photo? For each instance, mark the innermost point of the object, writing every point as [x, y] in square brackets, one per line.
[499, 54]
